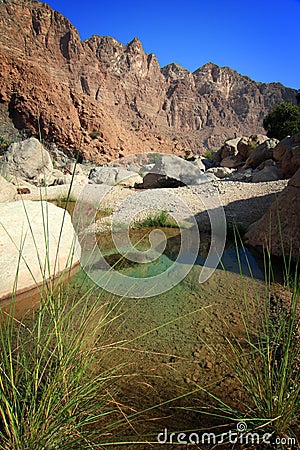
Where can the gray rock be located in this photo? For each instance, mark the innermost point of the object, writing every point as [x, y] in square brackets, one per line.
[241, 175]
[146, 168]
[232, 162]
[268, 162]
[29, 161]
[114, 175]
[43, 255]
[172, 171]
[220, 172]
[207, 163]
[261, 153]
[200, 164]
[268, 173]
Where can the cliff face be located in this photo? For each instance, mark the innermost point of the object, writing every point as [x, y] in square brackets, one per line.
[109, 100]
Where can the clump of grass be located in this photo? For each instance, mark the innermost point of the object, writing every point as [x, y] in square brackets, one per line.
[160, 219]
[56, 383]
[4, 144]
[252, 145]
[209, 154]
[54, 387]
[66, 199]
[265, 363]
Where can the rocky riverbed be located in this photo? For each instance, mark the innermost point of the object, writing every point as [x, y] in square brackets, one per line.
[244, 203]
[133, 188]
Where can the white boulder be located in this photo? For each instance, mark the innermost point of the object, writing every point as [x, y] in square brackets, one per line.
[37, 242]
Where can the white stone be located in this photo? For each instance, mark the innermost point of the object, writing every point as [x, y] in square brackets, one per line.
[29, 161]
[37, 242]
[8, 191]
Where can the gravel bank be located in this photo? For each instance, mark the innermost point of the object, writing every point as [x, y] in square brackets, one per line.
[244, 203]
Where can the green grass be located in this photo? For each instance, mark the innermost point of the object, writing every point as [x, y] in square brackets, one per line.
[161, 219]
[265, 362]
[209, 154]
[4, 144]
[56, 375]
[54, 387]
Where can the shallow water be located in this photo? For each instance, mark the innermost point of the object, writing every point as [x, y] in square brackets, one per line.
[176, 341]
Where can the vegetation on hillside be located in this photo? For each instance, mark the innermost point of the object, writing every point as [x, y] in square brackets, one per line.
[282, 121]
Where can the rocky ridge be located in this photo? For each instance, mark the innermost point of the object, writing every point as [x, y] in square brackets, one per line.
[109, 100]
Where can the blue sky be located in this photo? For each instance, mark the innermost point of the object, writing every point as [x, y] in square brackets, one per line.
[258, 38]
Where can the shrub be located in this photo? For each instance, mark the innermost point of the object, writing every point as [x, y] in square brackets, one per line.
[94, 134]
[4, 144]
[209, 154]
[282, 121]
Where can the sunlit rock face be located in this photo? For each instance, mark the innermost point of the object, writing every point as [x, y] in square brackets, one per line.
[108, 100]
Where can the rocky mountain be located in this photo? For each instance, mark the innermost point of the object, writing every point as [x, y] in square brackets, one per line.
[110, 100]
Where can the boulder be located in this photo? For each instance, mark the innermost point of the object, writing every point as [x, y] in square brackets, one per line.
[114, 175]
[261, 153]
[220, 172]
[287, 152]
[247, 144]
[279, 228]
[241, 175]
[8, 191]
[172, 171]
[229, 148]
[232, 162]
[268, 173]
[29, 161]
[200, 164]
[268, 162]
[207, 163]
[37, 241]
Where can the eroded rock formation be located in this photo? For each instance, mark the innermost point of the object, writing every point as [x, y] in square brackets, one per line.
[108, 100]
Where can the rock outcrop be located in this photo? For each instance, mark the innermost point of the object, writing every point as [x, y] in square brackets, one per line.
[37, 242]
[108, 100]
[288, 153]
[261, 153]
[279, 228]
[28, 161]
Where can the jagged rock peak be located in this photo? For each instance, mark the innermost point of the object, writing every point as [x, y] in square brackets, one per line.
[211, 72]
[174, 71]
[135, 45]
[114, 99]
